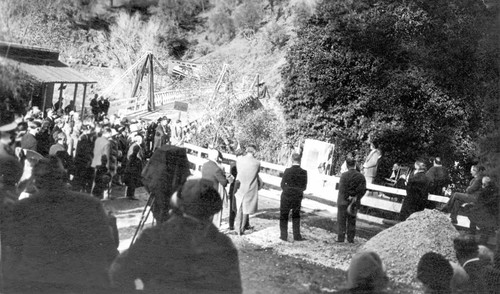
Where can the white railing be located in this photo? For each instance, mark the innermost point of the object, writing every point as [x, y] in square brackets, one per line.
[321, 186]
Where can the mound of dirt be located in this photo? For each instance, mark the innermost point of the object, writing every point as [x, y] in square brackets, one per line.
[401, 246]
[319, 247]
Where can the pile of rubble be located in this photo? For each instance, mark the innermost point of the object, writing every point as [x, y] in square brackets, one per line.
[402, 245]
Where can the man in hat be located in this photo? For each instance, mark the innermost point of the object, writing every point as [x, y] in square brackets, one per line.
[247, 194]
[352, 186]
[162, 136]
[210, 170]
[417, 192]
[293, 184]
[186, 254]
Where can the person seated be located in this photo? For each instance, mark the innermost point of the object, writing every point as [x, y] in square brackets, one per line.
[186, 253]
[366, 274]
[484, 212]
[58, 241]
[470, 196]
[435, 273]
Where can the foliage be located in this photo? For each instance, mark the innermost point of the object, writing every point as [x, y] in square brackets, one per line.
[247, 16]
[276, 36]
[182, 12]
[413, 75]
[15, 91]
[263, 129]
[301, 13]
[230, 125]
[221, 26]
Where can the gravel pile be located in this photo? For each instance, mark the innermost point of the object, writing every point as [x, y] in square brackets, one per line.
[319, 247]
[402, 245]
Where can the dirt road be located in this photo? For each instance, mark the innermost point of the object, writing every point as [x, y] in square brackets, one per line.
[267, 264]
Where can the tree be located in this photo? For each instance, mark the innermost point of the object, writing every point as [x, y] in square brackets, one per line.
[409, 73]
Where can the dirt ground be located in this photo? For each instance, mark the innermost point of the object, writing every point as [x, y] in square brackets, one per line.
[268, 264]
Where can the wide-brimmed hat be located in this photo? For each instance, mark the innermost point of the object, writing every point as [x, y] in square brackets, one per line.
[197, 198]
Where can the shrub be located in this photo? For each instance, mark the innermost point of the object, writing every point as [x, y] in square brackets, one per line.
[301, 12]
[276, 36]
[221, 27]
[247, 16]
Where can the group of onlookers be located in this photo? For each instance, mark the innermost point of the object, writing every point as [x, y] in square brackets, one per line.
[100, 150]
[477, 271]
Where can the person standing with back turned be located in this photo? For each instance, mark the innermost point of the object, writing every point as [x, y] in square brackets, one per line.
[247, 194]
[293, 184]
[352, 186]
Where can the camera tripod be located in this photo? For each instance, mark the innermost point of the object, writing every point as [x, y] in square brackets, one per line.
[144, 217]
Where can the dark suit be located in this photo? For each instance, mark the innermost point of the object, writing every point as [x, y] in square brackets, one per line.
[182, 255]
[211, 171]
[477, 272]
[293, 184]
[59, 239]
[417, 194]
[470, 196]
[351, 184]
[439, 178]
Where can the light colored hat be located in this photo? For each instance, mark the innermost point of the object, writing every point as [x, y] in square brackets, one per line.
[134, 128]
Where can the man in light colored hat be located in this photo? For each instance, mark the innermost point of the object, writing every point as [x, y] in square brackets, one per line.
[212, 171]
[249, 185]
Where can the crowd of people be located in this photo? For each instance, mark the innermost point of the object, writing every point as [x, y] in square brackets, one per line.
[59, 239]
[99, 151]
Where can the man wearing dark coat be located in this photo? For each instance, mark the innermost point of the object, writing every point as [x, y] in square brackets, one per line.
[484, 213]
[103, 106]
[470, 196]
[417, 192]
[84, 173]
[187, 253]
[94, 106]
[293, 184]
[59, 240]
[467, 252]
[162, 136]
[211, 171]
[352, 187]
[438, 176]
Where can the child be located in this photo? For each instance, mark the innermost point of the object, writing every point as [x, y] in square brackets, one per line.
[102, 178]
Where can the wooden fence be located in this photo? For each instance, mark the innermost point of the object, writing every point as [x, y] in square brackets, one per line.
[321, 186]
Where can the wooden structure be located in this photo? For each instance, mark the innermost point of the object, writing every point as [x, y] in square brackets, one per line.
[320, 186]
[44, 66]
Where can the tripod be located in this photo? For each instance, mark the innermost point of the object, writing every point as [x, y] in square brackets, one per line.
[144, 217]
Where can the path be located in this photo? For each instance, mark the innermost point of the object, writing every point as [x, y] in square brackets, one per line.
[267, 264]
